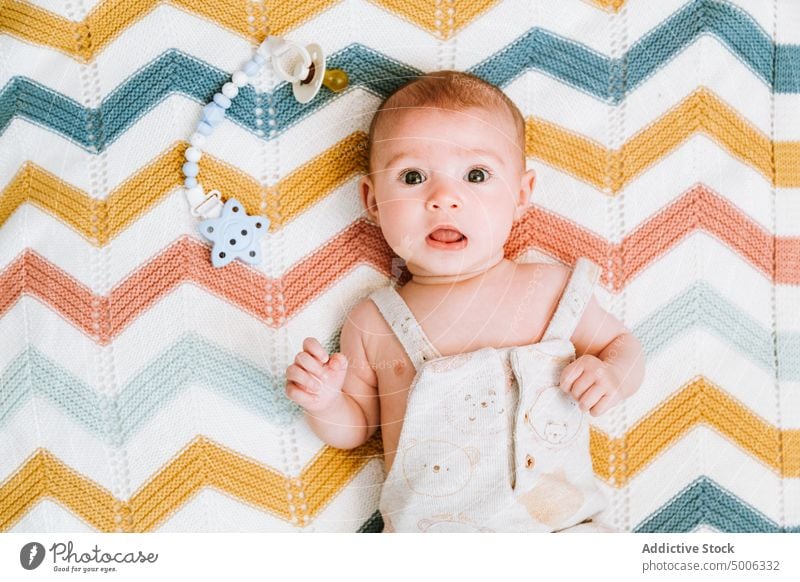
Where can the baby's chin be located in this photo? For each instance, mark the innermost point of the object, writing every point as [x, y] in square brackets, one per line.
[428, 261]
[448, 266]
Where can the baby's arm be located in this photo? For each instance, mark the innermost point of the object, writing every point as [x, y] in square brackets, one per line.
[339, 393]
[610, 362]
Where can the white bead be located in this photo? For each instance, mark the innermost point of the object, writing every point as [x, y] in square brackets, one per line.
[230, 90]
[197, 140]
[239, 78]
[193, 154]
[195, 193]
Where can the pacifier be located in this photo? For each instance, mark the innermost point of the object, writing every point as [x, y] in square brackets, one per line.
[303, 67]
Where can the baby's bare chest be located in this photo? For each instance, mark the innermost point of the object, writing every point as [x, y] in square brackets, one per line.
[451, 333]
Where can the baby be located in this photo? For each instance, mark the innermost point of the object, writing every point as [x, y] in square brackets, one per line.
[479, 371]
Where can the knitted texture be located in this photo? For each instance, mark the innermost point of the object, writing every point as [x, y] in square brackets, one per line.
[141, 389]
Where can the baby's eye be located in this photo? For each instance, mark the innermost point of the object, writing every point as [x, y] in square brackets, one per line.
[477, 175]
[412, 177]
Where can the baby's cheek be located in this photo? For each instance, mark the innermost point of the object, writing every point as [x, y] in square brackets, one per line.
[399, 237]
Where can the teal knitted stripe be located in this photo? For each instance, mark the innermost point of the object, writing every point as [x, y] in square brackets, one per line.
[564, 59]
[373, 525]
[701, 307]
[32, 374]
[789, 356]
[173, 71]
[744, 37]
[190, 361]
[704, 502]
[787, 69]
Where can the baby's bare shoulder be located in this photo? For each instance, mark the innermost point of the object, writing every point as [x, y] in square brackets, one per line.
[361, 327]
[550, 279]
[366, 323]
[365, 316]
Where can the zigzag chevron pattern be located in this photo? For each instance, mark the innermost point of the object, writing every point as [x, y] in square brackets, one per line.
[201, 464]
[704, 403]
[116, 333]
[701, 112]
[720, 510]
[30, 22]
[539, 48]
[697, 306]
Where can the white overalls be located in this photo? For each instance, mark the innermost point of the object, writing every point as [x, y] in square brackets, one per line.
[489, 442]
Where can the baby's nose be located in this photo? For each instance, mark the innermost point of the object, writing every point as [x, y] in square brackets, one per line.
[440, 201]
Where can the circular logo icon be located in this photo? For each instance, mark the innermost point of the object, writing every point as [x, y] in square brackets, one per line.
[31, 555]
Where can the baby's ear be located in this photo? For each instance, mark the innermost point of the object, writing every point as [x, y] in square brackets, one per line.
[525, 194]
[366, 190]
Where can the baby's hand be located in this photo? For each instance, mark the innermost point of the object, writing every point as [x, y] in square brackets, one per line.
[315, 380]
[592, 383]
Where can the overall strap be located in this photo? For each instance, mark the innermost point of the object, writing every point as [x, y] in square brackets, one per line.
[404, 325]
[574, 300]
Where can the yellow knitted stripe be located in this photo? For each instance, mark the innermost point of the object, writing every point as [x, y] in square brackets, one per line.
[84, 40]
[791, 452]
[202, 463]
[155, 181]
[313, 181]
[702, 111]
[294, 194]
[44, 476]
[206, 464]
[107, 20]
[699, 402]
[330, 470]
[423, 13]
[609, 5]
[131, 200]
[787, 164]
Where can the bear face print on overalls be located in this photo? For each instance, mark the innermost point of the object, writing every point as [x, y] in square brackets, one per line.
[489, 442]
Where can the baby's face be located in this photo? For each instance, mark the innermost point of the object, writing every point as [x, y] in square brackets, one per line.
[446, 187]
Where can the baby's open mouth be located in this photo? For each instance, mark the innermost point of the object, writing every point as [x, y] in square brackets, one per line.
[447, 238]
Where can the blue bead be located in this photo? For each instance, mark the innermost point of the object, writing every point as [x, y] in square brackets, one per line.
[191, 169]
[221, 100]
[258, 59]
[213, 114]
[190, 182]
[204, 128]
[250, 68]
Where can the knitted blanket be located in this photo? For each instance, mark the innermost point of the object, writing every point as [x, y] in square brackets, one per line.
[141, 389]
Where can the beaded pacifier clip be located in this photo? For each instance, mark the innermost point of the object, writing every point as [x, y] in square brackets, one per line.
[235, 234]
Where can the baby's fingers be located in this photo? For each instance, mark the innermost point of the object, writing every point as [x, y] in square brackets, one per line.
[591, 397]
[310, 364]
[300, 396]
[313, 347]
[603, 405]
[582, 384]
[303, 379]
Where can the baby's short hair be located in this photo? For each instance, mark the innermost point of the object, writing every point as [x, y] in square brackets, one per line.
[448, 89]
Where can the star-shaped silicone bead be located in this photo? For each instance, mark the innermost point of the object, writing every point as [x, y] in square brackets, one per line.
[235, 235]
